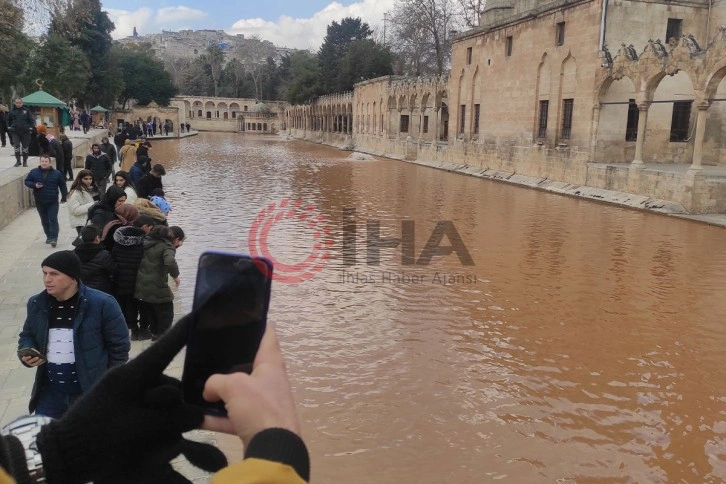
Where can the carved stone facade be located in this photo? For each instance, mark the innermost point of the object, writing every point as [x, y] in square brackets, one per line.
[540, 89]
[231, 114]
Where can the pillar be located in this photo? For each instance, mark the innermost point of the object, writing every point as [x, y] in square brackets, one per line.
[642, 121]
[700, 132]
[595, 127]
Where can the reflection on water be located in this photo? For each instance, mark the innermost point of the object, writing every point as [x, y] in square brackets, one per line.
[589, 348]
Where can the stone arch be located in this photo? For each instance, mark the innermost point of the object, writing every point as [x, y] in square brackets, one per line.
[713, 80]
[475, 101]
[714, 142]
[544, 85]
[461, 100]
[197, 109]
[234, 110]
[209, 110]
[618, 123]
[222, 110]
[664, 140]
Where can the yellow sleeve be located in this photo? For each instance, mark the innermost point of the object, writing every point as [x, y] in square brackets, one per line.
[6, 479]
[257, 471]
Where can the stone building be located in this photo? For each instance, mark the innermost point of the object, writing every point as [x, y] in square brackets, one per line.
[231, 114]
[623, 95]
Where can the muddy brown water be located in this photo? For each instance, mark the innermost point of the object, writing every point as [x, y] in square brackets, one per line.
[586, 344]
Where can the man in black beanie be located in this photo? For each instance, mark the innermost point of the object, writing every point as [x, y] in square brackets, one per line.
[72, 334]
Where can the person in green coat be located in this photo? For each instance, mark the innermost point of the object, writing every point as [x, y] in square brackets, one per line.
[152, 289]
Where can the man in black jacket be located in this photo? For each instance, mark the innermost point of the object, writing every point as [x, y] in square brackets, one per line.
[67, 145]
[52, 147]
[100, 164]
[150, 181]
[20, 124]
[109, 149]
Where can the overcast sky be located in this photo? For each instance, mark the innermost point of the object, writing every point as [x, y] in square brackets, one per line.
[297, 24]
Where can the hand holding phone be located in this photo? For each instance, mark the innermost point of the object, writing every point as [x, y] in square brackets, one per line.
[31, 356]
[231, 298]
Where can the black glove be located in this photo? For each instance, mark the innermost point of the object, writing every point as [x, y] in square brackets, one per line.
[129, 426]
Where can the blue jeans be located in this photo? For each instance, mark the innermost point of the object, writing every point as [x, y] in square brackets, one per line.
[48, 212]
[54, 401]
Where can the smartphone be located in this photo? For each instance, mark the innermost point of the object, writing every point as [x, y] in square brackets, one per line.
[231, 298]
[30, 352]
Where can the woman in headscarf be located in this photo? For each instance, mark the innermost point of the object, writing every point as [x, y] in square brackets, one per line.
[125, 215]
[102, 213]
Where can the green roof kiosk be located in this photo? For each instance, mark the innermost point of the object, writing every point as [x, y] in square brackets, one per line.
[99, 115]
[47, 109]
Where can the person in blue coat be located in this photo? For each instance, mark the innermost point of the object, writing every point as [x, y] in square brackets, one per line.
[46, 182]
[72, 334]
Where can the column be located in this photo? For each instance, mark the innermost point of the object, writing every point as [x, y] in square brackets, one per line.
[642, 121]
[435, 141]
[700, 132]
[595, 126]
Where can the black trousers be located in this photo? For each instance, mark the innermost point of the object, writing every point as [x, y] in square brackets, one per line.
[130, 308]
[160, 315]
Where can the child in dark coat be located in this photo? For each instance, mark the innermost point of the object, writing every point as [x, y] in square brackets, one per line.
[97, 266]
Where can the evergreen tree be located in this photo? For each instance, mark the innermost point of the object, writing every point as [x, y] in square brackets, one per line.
[63, 68]
[87, 27]
[144, 76]
[364, 60]
[305, 82]
[335, 47]
[14, 51]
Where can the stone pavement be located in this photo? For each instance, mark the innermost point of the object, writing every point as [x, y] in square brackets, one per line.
[22, 248]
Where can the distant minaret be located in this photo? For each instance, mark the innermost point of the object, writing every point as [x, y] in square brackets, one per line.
[136, 34]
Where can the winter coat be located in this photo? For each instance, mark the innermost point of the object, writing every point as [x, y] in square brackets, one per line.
[109, 150]
[79, 201]
[100, 214]
[127, 252]
[100, 336]
[157, 265]
[127, 155]
[137, 172]
[56, 151]
[130, 195]
[147, 185]
[100, 166]
[20, 119]
[97, 266]
[147, 208]
[52, 181]
[68, 151]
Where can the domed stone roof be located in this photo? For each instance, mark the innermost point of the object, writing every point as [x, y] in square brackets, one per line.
[261, 108]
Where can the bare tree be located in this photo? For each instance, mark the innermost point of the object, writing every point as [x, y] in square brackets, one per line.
[421, 34]
[471, 11]
[253, 54]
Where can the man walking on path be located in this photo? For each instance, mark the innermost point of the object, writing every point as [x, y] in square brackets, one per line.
[85, 121]
[67, 145]
[109, 149]
[80, 332]
[100, 164]
[46, 181]
[20, 125]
